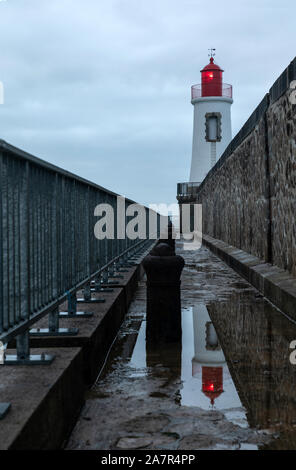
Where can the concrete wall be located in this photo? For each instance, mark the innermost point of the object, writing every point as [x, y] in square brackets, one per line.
[249, 197]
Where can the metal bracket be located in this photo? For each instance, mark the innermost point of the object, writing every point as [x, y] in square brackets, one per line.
[53, 327]
[111, 283]
[120, 267]
[72, 309]
[4, 408]
[113, 275]
[32, 359]
[59, 332]
[98, 286]
[101, 289]
[87, 297]
[90, 301]
[105, 279]
[75, 315]
[112, 272]
[23, 356]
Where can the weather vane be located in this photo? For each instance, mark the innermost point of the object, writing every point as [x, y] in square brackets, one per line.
[211, 52]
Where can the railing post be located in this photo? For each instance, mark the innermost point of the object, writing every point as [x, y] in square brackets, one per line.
[53, 327]
[23, 356]
[120, 266]
[72, 308]
[47, 251]
[87, 298]
[53, 320]
[109, 273]
[100, 281]
[23, 346]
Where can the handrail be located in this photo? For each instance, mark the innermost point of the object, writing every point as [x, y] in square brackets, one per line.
[187, 188]
[22, 154]
[48, 248]
[23, 326]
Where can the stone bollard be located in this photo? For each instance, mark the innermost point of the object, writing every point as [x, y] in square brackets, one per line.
[163, 270]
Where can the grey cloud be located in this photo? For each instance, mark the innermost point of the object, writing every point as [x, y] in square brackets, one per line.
[102, 88]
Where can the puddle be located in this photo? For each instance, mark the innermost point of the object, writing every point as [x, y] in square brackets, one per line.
[228, 385]
[254, 336]
[200, 363]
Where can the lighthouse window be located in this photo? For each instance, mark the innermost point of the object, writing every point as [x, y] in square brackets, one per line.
[213, 127]
[212, 343]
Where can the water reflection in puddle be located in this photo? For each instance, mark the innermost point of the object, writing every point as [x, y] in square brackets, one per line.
[199, 362]
[246, 373]
[205, 375]
[138, 361]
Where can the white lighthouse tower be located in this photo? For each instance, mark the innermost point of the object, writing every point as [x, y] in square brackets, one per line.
[212, 100]
[208, 360]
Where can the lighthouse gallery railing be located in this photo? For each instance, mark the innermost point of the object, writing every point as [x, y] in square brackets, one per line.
[199, 90]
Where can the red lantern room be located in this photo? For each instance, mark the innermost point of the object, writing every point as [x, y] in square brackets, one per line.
[211, 79]
[212, 382]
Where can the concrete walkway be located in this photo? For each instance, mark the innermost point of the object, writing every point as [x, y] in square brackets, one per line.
[197, 396]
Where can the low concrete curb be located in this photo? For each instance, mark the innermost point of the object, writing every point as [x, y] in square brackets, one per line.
[129, 283]
[274, 283]
[96, 333]
[45, 401]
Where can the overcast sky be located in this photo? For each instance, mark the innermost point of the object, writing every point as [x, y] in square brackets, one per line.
[102, 87]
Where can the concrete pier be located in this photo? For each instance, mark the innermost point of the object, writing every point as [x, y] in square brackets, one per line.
[157, 398]
[46, 400]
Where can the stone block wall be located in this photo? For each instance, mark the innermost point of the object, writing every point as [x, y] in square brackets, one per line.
[235, 206]
[281, 119]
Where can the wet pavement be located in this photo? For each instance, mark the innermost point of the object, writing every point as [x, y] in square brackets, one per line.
[229, 385]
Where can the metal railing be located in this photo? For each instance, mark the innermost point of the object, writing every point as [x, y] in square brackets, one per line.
[199, 90]
[187, 189]
[282, 84]
[48, 249]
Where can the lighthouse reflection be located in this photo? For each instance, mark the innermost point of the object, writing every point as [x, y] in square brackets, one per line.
[207, 383]
[197, 364]
[208, 359]
[208, 356]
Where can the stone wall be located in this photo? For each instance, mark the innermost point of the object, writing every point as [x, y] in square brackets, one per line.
[251, 333]
[281, 119]
[249, 200]
[234, 199]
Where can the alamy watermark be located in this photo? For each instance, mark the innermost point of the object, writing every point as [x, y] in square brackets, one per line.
[134, 221]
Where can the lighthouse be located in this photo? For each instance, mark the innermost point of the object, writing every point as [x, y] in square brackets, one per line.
[212, 100]
[208, 357]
